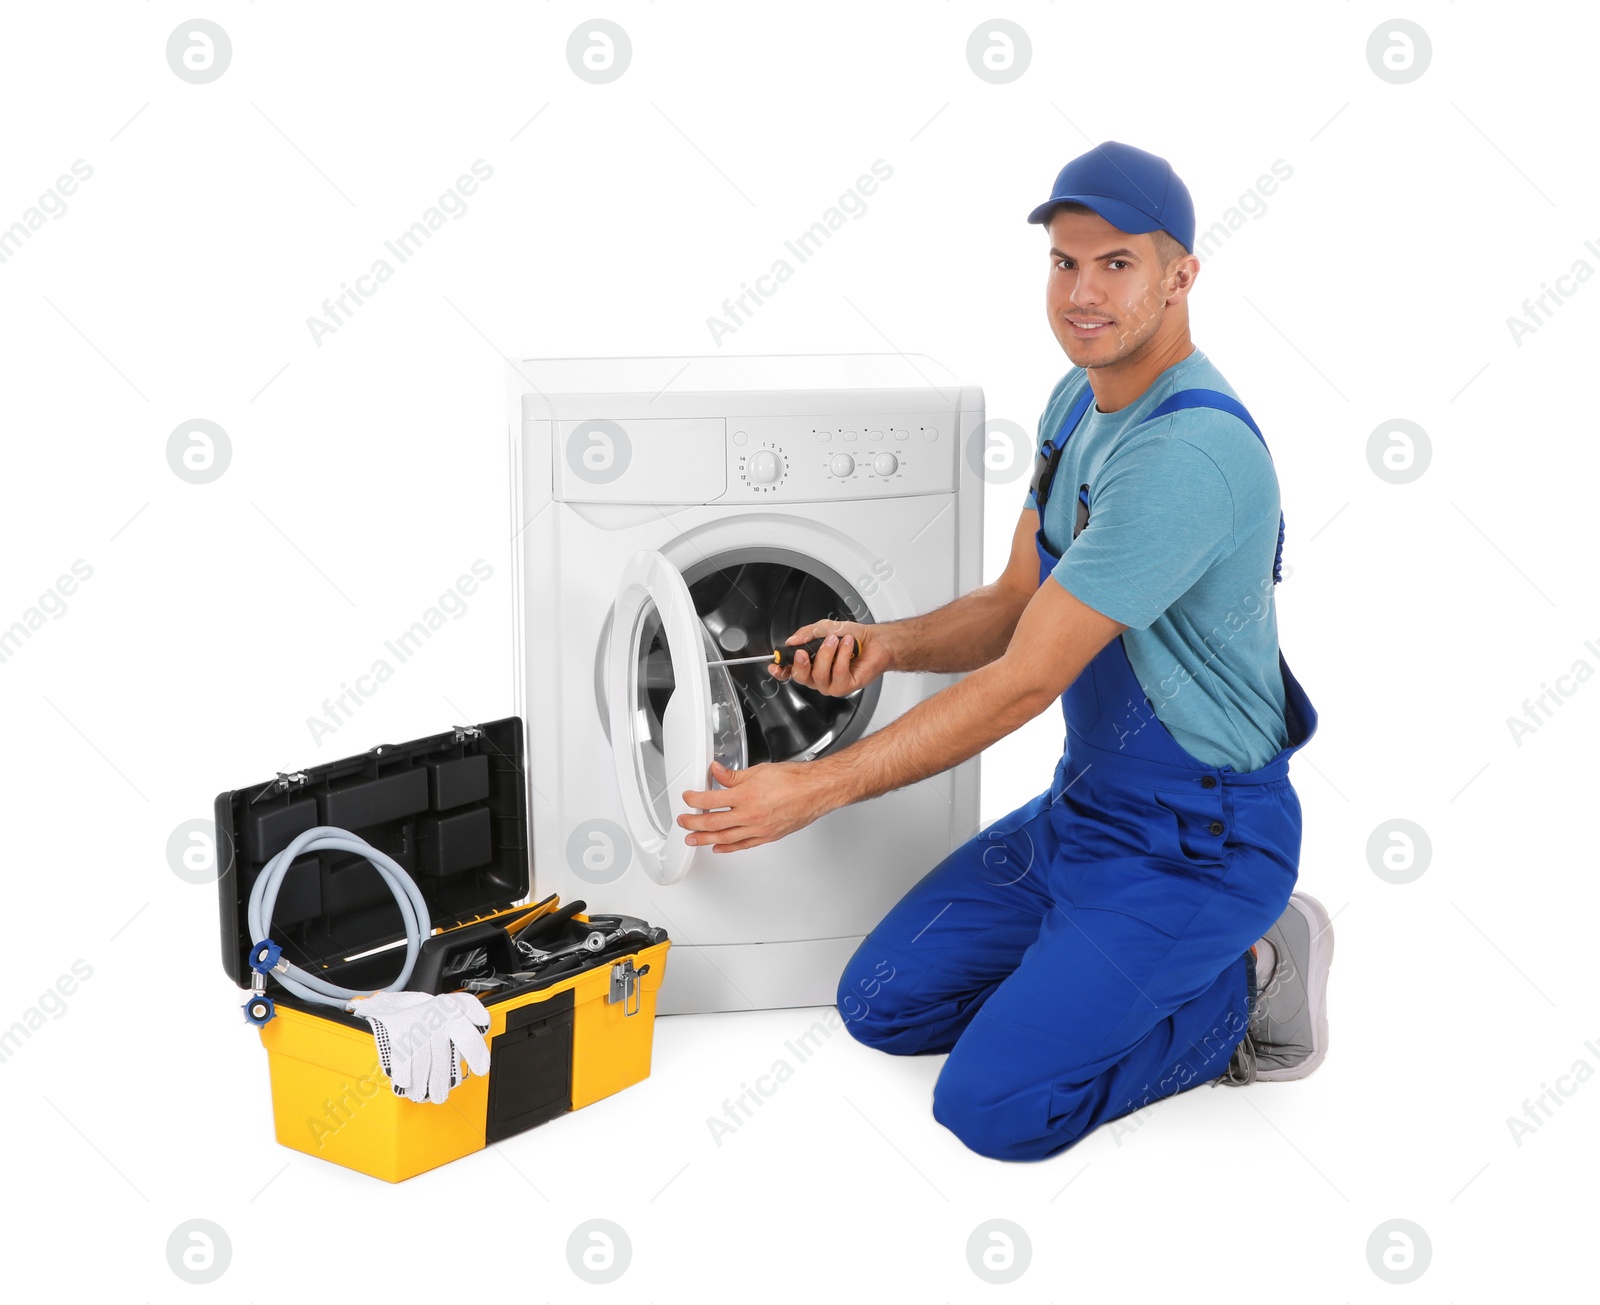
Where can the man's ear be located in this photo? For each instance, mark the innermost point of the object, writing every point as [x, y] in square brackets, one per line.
[1184, 272]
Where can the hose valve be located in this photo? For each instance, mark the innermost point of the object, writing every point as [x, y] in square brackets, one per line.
[259, 1010]
[267, 956]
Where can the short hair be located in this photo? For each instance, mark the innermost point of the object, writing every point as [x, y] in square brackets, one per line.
[1167, 245]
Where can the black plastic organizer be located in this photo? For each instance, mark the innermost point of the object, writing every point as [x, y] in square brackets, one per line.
[451, 809]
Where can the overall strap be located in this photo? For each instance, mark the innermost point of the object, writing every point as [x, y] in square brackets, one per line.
[1224, 403]
[1208, 399]
[1044, 467]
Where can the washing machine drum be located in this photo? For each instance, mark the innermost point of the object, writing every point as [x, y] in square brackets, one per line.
[750, 609]
[745, 609]
[669, 712]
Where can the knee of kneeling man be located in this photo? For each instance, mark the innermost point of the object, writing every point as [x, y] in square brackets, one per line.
[993, 1123]
[864, 1001]
[871, 1024]
[987, 1135]
[974, 1115]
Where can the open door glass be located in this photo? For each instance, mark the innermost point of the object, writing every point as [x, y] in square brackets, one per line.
[670, 712]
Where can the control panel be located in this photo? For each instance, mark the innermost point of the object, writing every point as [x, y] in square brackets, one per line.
[820, 458]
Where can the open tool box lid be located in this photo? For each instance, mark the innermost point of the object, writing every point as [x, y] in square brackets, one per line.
[450, 808]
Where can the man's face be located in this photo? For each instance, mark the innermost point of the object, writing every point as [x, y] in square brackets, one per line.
[1105, 279]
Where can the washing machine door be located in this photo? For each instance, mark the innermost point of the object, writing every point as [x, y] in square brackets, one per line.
[671, 713]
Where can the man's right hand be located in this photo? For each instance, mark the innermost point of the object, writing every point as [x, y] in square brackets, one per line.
[834, 672]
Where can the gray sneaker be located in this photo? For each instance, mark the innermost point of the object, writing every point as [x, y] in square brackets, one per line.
[1289, 1027]
[1288, 1033]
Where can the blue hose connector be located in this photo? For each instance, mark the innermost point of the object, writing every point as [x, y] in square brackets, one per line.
[259, 1010]
[264, 956]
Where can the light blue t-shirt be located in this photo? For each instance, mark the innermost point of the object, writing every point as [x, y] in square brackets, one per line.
[1182, 530]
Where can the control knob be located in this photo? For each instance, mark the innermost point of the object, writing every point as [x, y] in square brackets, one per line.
[764, 467]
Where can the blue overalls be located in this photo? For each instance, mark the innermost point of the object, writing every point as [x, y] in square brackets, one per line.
[1088, 954]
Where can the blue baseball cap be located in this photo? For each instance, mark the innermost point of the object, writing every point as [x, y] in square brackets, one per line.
[1130, 188]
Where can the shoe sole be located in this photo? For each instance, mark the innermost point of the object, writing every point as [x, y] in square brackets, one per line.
[1318, 963]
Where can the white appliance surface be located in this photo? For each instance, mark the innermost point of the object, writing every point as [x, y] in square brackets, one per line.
[673, 510]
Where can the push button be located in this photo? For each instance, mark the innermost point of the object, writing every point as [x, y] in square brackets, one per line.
[1208, 781]
[1216, 826]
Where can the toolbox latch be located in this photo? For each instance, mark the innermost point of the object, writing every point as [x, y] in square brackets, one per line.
[286, 782]
[625, 986]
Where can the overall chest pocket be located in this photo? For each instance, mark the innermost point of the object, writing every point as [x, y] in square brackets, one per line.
[1190, 826]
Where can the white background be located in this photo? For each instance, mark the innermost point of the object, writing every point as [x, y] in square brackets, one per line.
[368, 472]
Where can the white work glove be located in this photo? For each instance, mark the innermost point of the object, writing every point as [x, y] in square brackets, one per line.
[423, 1039]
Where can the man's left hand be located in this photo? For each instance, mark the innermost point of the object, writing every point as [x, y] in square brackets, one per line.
[763, 804]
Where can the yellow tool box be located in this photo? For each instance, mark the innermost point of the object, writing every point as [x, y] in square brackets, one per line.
[451, 810]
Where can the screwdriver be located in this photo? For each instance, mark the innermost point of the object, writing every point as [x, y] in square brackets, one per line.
[784, 656]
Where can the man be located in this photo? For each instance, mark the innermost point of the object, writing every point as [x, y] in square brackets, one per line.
[1092, 951]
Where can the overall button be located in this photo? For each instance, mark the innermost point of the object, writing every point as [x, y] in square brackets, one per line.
[1216, 826]
[1208, 781]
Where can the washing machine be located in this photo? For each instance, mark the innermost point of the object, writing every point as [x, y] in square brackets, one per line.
[672, 512]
